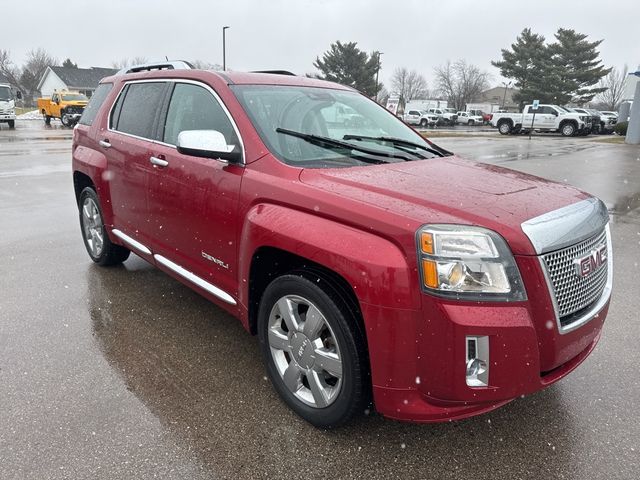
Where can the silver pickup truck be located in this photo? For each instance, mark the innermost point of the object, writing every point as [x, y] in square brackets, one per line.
[548, 118]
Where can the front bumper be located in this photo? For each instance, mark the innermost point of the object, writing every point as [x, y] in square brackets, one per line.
[420, 375]
[7, 116]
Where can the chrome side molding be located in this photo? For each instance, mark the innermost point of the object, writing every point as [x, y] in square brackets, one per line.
[212, 289]
[566, 226]
[130, 241]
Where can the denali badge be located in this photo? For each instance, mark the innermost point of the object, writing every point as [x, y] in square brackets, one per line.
[215, 260]
[588, 264]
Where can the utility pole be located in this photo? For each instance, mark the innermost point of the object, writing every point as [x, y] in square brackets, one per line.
[377, 72]
[224, 49]
[504, 97]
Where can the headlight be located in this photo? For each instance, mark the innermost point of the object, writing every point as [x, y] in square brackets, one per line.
[468, 263]
[583, 119]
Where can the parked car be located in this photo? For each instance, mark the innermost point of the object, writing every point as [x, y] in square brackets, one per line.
[65, 105]
[593, 118]
[420, 118]
[370, 262]
[446, 116]
[548, 118]
[468, 118]
[7, 105]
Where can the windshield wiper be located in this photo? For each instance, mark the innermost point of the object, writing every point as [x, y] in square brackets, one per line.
[326, 142]
[400, 142]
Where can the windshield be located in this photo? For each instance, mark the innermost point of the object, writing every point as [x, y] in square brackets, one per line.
[344, 117]
[5, 94]
[563, 109]
[74, 97]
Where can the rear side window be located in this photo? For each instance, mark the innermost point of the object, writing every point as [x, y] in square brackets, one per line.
[91, 110]
[139, 109]
[194, 108]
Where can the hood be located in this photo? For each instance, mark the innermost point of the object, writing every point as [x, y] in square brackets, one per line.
[450, 190]
[77, 103]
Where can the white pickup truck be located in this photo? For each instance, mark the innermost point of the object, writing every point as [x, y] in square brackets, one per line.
[420, 118]
[447, 115]
[469, 118]
[7, 105]
[548, 118]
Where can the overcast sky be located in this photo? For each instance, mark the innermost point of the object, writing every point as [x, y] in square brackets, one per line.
[289, 34]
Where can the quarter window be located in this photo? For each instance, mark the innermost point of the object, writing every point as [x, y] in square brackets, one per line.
[95, 103]
[194, 108]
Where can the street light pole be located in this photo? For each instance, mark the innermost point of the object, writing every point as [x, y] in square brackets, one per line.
[224, 49]
[504, 97]
[377, 72]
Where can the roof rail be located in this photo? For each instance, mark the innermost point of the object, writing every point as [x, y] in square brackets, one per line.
[275, 72]
[147, 67]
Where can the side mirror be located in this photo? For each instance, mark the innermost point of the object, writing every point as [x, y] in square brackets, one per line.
[207, 144]
[555, 113]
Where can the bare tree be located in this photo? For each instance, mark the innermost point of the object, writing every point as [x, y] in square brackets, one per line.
[204, 65]
[460, 82]
[383, 94]
[408, 84]
[614, 84]
[128, 62]
[8, 69]
[37, 62]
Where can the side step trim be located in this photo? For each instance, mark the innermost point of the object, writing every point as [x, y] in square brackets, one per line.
[134, 243]
[212, 289]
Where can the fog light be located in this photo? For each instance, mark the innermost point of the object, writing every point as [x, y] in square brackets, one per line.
[477, 361]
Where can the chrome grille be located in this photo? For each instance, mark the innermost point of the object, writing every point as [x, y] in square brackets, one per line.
[572, 292]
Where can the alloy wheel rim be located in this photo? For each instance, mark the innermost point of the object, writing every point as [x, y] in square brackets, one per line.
[305, 351]
[92, 226]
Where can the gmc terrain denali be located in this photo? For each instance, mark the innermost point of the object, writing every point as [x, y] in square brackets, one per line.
[372, 264]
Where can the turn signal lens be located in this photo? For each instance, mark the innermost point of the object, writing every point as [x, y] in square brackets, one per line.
[430, 269]
[426, 239]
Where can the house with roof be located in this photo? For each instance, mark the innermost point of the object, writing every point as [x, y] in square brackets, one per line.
[83, 80]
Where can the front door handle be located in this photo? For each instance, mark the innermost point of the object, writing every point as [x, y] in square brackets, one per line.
[105, 143]
[159, 162]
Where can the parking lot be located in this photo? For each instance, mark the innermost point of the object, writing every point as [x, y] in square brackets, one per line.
[126, 373]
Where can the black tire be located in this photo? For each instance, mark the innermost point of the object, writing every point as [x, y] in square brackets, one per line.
[568, 129]
[345, 333]
[424, 123]
[65, 119]
[110, 253]
[47, 118]
[504, 128]
[471, 123]
[12, 124]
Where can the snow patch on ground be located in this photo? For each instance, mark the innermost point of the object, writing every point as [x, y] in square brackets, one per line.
[32, 115]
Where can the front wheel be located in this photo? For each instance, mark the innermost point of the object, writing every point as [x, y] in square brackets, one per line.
[65, 119]
[424, 123]
[94, 233]
[568, 130]
[314, 352]
[12, 124]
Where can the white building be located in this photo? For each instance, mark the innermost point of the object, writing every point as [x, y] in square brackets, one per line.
[84, 80]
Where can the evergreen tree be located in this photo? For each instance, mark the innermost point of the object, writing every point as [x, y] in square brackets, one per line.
[346, 64]
[576, 67]
[528, 64]
[69, 64]
[565, 71]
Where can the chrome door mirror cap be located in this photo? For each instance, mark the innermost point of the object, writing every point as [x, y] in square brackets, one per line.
[207, 144]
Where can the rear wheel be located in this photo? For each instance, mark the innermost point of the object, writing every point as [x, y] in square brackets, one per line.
[47, 118]
[314, 352]
[504, 128]
[94, 233]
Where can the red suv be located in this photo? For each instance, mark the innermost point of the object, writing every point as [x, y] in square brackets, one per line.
[372, 264]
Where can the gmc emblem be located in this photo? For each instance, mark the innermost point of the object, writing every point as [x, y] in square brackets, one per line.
[588, 264]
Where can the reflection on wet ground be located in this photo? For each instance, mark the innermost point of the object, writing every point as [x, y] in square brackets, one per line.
[125, 373]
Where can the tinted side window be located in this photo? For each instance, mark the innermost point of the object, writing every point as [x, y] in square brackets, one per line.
[194, 108]
[140, 109]
[91, 110]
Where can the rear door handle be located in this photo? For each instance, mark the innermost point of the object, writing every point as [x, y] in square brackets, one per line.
[105, 143]
[158, 162]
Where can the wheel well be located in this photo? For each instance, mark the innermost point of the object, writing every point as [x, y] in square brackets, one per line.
[564, 122]
[80, 182]
[269, 263]
[505, 120]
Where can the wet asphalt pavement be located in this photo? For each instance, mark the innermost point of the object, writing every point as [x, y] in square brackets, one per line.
[125, 373]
